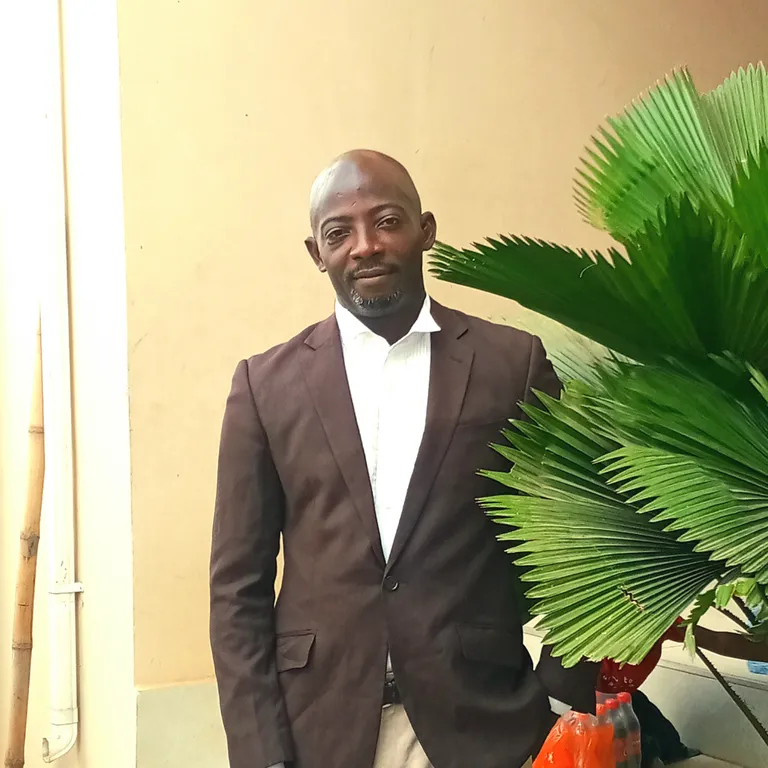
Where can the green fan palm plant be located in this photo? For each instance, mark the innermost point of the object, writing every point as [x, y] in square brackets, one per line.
[647, 481]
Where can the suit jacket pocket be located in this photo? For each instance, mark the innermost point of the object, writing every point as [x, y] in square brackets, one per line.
[491, 645]
[293, 649]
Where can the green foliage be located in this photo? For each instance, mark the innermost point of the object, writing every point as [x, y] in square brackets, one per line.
[687, 287]
[673, 141]
[607, 580]
[647, 482]
[702, 604]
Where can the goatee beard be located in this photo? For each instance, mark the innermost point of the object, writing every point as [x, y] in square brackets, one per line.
[376, 307]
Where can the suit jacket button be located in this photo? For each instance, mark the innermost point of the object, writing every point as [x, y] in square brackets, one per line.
[390, 584]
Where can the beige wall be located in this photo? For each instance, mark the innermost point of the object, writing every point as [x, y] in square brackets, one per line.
[228, 111]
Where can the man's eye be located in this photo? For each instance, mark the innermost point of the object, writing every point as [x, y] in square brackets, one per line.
[334, 234]
[389, 222]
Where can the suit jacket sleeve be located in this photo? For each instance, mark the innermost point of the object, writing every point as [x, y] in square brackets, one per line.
[246, 537]
[576, 685]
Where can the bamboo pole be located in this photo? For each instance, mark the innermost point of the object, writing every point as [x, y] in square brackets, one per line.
[25, 581]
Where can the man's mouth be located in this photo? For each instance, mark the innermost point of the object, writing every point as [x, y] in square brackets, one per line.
[370, 274]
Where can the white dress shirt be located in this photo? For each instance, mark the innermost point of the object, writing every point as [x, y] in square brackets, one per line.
[390, 388]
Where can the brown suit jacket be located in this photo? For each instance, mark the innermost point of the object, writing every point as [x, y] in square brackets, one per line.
[303, 680]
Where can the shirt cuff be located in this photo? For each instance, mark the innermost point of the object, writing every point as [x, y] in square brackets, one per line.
[558, 707]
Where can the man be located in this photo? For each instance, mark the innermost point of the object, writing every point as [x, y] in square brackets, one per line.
[396, 640]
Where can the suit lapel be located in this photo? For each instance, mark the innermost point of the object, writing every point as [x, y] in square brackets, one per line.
[449, 375]
[323, 364]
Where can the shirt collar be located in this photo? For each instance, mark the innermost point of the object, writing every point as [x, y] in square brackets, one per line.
[350, 327]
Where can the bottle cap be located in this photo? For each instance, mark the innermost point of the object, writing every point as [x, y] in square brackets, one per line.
[625, 698]
[612, 704]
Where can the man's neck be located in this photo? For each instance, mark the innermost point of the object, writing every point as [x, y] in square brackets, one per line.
[393, 327]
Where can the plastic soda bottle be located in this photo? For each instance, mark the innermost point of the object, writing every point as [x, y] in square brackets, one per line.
[632, 725]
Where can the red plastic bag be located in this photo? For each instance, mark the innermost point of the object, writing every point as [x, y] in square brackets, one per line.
[577, 741]
[615, 677]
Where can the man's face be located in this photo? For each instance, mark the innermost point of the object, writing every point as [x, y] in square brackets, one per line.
[370, 236]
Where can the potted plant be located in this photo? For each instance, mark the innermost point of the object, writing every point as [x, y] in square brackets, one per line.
[642, 493]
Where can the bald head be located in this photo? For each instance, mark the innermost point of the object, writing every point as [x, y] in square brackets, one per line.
[352, 172]
[369, 235]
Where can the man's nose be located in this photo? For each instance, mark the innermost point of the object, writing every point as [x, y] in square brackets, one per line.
[366, 243]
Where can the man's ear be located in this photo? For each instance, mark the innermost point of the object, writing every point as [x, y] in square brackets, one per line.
[429, 230]
[314, 252]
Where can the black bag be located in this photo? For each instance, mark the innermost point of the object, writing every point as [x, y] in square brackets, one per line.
[660, 739]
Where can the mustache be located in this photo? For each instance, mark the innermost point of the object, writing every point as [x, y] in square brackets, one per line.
[370, 267]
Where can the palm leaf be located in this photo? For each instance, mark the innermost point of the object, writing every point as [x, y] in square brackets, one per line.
[676, 410]
[718, 512]
[693, 455]
[673, 140]
[546, 278]
[661, 146]
[608, 582]
[596, 565]
[750, 202]
[576, 359]
[737, 111]
[688, 288]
